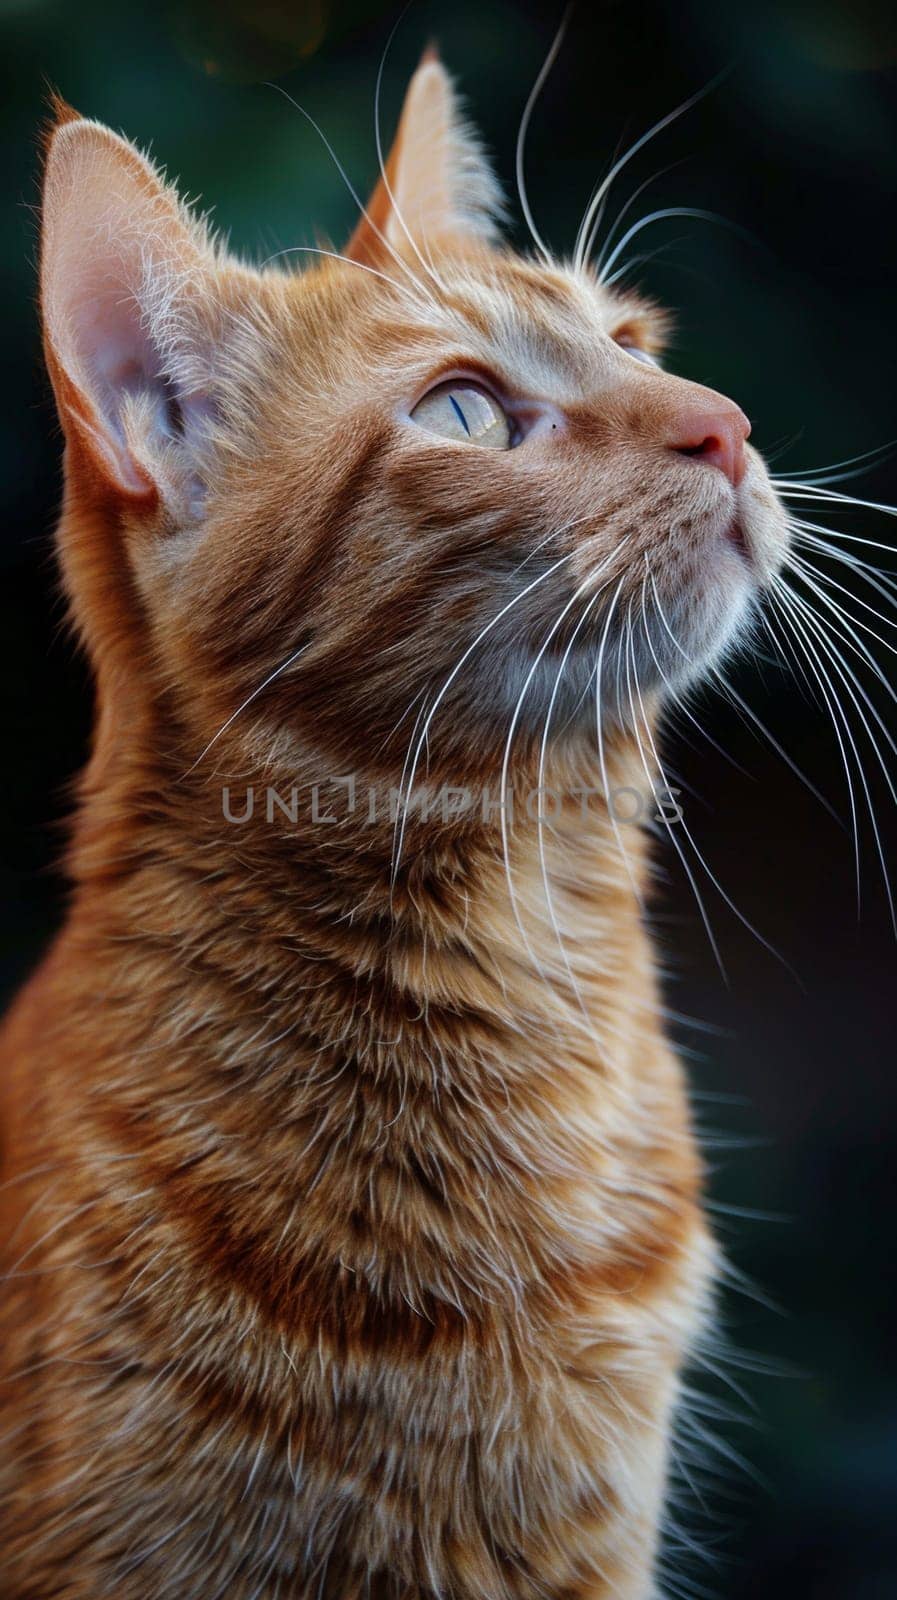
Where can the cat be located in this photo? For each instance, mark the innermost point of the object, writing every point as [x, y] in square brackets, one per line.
[352, 1224]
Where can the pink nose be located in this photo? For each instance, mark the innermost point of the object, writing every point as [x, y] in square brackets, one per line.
[714, 433]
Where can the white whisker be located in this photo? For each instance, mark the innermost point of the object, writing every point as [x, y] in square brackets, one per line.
[856, 693]
[523, 130]
[399, 260]
[747, 711]
[782, 598]
[247, 702]
[625, 210]
[509, 605]
[813, 578]
[334, 255]
[602, 753]
[543, 752]
[686, 865]
[818, 476]
[639, 261]
[378, 139]
[585, 237]
[792, 490]
[660, 216]
[745, 922]
[506, 761]
[676, 699]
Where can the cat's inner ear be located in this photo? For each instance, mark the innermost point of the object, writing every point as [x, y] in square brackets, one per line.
[437, 184]
[127, 295]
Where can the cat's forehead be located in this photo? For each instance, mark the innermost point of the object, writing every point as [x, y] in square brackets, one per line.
[548, 327]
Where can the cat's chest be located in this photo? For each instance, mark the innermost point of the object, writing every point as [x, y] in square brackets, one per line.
[400, 1415]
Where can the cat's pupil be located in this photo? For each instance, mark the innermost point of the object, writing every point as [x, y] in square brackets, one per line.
[460, 414]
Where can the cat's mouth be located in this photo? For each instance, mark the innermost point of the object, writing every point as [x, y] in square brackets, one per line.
[757, 528]
[738, 538]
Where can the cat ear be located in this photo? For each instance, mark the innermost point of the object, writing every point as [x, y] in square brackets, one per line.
[127, 295]
[438, 182]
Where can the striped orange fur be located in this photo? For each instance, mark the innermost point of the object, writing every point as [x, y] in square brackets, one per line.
[351, 1215]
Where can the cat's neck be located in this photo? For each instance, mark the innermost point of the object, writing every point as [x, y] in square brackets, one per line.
[315, 913]
[301, 1023]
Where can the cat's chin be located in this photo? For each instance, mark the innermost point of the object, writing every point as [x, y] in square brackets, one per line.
[685, 634]
[673, 640]
[620, 678]
[661, 641]
[704, 611]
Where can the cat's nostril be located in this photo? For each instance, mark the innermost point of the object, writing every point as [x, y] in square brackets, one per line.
[707, 447]
[714, 436]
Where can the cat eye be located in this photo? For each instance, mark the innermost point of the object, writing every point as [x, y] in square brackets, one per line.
[463, 412]
[637, 352]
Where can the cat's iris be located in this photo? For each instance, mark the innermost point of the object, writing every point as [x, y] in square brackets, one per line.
[463, 412]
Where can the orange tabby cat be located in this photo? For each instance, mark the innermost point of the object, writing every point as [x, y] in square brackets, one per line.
[351, 1221]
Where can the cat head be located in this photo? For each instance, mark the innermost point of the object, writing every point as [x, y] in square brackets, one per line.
[426, 482]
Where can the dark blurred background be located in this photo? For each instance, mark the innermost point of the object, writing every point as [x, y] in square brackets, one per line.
[795, 317]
